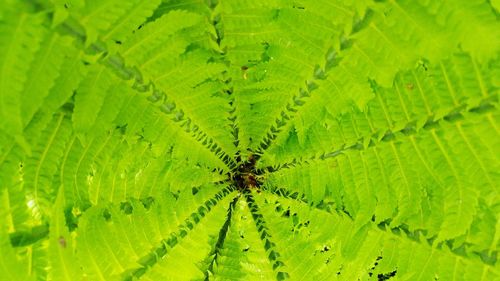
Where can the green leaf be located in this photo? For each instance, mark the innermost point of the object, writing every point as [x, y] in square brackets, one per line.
[249, 140]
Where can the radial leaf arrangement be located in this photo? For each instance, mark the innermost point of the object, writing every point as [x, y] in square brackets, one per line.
[249, 140]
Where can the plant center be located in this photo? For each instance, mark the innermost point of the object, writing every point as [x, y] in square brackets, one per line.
[245, 176]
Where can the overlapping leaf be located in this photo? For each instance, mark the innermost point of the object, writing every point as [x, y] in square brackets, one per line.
[249, 140]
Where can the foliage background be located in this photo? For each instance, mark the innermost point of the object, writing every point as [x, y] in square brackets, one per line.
[130, 130]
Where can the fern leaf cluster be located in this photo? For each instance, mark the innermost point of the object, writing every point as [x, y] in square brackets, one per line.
[249, 140]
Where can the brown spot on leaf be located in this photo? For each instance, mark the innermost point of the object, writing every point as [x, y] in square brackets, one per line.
[62, 242]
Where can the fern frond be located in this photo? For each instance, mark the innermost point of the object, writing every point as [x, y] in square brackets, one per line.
[21, 36]
[351, 250]
[43, 163]
[244, 254]
[417, 96]
[98, 16]
[44, 71]
[89, 100]
[156, 236]
[123, 28]
[12, 266]
[249, 140]
[61, 254]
